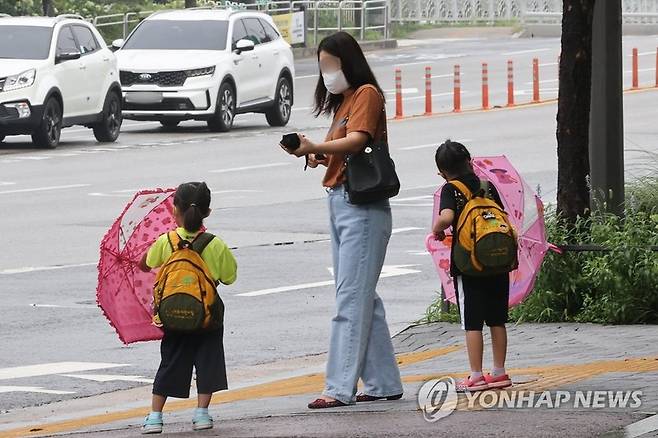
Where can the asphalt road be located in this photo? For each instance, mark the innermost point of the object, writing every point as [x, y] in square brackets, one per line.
[56, 206]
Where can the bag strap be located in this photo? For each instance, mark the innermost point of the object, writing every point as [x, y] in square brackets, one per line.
[198, 245]
[463, 189]
[201, 242]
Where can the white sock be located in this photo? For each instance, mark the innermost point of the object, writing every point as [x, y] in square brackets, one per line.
[202, 411]
[496, 372]
[154, 414]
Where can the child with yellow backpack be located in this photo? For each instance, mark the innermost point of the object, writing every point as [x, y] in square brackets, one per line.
[483, 254]
[188, 308]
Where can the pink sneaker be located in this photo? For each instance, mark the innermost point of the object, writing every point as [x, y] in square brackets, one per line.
[498, 382]
[469, 385]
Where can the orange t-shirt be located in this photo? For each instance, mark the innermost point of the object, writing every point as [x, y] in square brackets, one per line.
[362, 111]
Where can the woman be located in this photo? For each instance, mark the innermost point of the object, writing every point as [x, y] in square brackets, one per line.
[360, 340]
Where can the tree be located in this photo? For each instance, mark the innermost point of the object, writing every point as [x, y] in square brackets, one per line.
[190, 3]
[573, 191]
[47, 7]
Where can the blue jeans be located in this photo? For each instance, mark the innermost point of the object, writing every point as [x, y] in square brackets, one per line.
[361, 344]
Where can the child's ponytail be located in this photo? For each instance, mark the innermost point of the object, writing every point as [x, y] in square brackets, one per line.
[193, 202]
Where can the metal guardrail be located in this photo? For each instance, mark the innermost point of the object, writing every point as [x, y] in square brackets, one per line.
[555, 18]
[322, 16]
[495, 11]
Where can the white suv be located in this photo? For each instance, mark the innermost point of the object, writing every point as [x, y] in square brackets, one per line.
[54, 73]
[206, 64]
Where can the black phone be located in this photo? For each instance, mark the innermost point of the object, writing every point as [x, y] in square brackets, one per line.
[290, 141]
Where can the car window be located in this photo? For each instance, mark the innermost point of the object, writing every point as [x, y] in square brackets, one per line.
[179, 35]
[255, 31]
[66, 42]
[25, 42]
[271, 33]
[86, 39]
[239, 32]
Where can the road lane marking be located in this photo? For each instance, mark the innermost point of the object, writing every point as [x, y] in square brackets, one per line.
[240, 169]
[7, 183]
[28, 269]
[387, 271]
[522, 52]
[432, 145]
[109, 378]
[49, 369]
[642, 427]
[37, 389]
[404, 91]
[62, 306]
[44, 189]
[404, 230]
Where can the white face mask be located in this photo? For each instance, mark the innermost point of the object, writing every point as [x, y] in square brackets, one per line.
[335, 82]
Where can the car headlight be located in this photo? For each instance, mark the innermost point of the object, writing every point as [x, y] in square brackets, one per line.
[21, 80]
[207, 71]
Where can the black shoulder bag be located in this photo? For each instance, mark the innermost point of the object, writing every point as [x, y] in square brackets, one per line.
[370, 174]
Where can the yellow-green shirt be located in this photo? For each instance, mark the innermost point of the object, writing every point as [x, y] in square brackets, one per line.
[217, 255]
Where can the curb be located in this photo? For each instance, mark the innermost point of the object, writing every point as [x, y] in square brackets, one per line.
[366, 46]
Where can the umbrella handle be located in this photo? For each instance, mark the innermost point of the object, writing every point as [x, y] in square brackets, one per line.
[555, 249]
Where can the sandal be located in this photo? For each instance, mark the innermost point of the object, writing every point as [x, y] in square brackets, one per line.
[324, 404]
[370, 398]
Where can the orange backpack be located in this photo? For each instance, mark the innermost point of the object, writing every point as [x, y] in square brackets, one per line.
[486, 242]
[185, 297]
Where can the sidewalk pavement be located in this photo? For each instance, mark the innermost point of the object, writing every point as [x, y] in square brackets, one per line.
[555, 357]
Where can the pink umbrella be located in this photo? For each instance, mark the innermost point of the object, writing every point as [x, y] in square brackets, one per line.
[125, 293]
[526, 214]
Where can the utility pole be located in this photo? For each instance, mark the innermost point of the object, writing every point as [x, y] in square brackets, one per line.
[606, 139]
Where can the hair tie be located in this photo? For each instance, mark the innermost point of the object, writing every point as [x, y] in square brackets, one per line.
[193, 205]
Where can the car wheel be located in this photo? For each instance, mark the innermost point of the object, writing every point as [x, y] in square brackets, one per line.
[279, 114]
[108, 130]
[169, 124]
[222, 120]
[47, 134]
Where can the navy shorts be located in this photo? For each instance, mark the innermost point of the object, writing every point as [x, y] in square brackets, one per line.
[180, 352]
[482, 300]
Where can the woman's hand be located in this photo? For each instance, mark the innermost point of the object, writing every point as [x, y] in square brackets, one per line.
[313, 161]
[306, 147]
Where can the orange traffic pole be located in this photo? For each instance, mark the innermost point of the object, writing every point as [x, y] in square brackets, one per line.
[636, 81]
[398, 93]
[457, 98]
[510, 83]
[535, 80]
[428, 91]
[485, 86]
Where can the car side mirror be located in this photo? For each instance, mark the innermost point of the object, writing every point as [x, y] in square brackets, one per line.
[117, 44]
[61, 57]
[244, 46]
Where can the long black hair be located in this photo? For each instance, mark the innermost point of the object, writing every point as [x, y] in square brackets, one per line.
[192, 200]
[354, 66]
[453, 158]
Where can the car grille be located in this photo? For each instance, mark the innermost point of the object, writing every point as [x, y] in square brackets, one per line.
[162, 79]
[167, 104]
[8, 112]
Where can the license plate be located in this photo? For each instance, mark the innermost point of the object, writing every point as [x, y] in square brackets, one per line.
[144, 97]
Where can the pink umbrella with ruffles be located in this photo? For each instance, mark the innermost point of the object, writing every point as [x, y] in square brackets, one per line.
[125, 293]
[526, 212]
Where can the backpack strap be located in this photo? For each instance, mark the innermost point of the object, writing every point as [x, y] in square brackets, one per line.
[173, 238]
[201, 242]
[462, 188]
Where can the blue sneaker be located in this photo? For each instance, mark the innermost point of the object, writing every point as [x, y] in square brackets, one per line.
[202, 420]
[152, 424]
